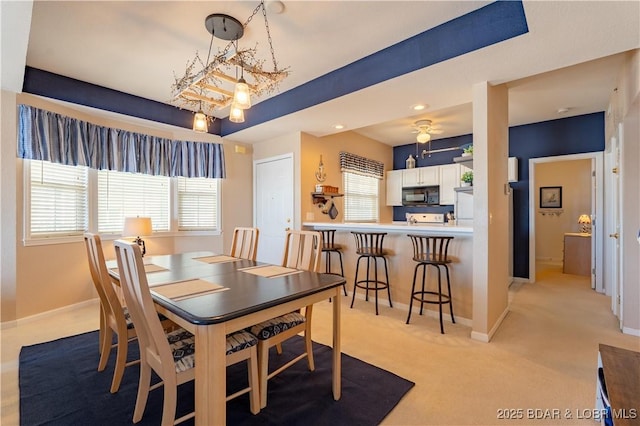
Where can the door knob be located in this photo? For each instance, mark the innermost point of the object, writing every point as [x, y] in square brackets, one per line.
[616, 235]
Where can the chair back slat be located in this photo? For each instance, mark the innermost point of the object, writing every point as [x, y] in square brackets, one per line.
[109, 301]
[431, 249]
[328, 238]
[133, 280]
[369, 243]
[245, 243]
[303, 250]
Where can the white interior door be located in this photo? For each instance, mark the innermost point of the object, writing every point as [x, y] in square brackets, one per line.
[614, 235]
[273, 201]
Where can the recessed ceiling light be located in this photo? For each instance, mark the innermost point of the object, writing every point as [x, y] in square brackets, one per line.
[338, 126]
[418, 107]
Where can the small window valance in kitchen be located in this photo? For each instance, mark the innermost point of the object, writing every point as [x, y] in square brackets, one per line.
[48, 136]
[364, 166]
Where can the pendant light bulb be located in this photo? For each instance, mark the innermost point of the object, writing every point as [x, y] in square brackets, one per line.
[241, 94]
[236, 115]
[200, 122]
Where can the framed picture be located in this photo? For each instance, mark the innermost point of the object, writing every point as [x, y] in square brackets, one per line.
[550, 197]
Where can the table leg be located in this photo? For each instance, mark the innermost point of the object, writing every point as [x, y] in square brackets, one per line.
[210, 375]
[337, 352]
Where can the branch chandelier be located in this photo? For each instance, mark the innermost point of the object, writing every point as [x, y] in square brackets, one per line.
[216, 85]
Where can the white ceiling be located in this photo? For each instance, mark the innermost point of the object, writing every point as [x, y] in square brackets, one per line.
[569, 59]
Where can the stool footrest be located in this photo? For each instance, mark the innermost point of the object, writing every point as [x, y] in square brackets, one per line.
[377, 285]
[420, 296]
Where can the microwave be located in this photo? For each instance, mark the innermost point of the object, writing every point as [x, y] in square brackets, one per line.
[421, 196]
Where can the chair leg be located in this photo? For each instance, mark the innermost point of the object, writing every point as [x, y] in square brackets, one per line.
[386, 272]
[440, 300]
[143, 391]
[121, 362]
[254, 381]
[307, 338]
[375, 275]
[355, 282]
[413, 290]
[422, 295]
[170, 401]
[366, 296]
[105, 347]
[450, 298]
[263, 371]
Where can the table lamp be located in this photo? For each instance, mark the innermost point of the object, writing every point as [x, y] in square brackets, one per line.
[585, 223]
[137, 226]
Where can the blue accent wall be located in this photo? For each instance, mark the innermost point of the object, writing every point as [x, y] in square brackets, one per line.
[573, 135]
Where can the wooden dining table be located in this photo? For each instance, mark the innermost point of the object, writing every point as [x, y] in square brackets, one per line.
[242, 293]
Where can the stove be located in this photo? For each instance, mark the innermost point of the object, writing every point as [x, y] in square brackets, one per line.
[424, 218]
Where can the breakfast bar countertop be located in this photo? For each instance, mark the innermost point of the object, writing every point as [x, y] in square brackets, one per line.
[393, 227]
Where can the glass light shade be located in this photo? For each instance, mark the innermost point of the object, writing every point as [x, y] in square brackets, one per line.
[136, 226]
[200, 122]
[423, 137]
[236, 115]
[241, 95]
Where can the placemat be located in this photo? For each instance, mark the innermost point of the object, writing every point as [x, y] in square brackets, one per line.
[186, 289]
[216, 259]
[270, 271]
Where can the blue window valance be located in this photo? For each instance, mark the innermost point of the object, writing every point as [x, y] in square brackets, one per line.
[48, 136]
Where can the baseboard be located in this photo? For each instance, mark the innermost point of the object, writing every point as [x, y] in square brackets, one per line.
[631, 331]
[47, 314]
[428, 312]
[486, 337]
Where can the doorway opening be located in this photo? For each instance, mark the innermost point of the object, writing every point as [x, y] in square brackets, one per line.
[561, 190]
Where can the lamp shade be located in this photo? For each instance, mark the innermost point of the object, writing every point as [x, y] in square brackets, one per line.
[584, 219]
[236, 115]
[136, 226]
[200, 122]
[241, 95]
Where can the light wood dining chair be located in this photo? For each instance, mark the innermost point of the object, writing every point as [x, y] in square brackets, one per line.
[114, 318]
[171, 355]
[303, 250]
[245, 243]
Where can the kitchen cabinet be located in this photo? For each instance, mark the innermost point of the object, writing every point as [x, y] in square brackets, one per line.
[394, 187]
[421, 176]
[449, 179]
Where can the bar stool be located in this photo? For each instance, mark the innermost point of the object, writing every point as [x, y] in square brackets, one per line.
[429, 250]
[369, 246]
[329, 246]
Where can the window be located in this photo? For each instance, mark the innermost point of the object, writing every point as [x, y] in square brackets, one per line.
[58, 200]
[360, 197]
[197, 204]
[62, 202]
[123, 194]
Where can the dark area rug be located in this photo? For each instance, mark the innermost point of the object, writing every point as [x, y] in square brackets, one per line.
[60, 385]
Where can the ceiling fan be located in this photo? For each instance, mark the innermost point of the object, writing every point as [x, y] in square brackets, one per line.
[424, 129]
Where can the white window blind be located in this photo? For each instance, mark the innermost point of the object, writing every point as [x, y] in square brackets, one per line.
[58, 200]
[123, 194]
[360, 197]
[197, 204]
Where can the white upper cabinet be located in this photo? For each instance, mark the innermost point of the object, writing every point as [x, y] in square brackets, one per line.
[421, 176]
[449, 179]
[394, 187]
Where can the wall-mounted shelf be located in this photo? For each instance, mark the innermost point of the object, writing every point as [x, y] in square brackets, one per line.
[321, 197]
[466, 161]
[464, 188]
